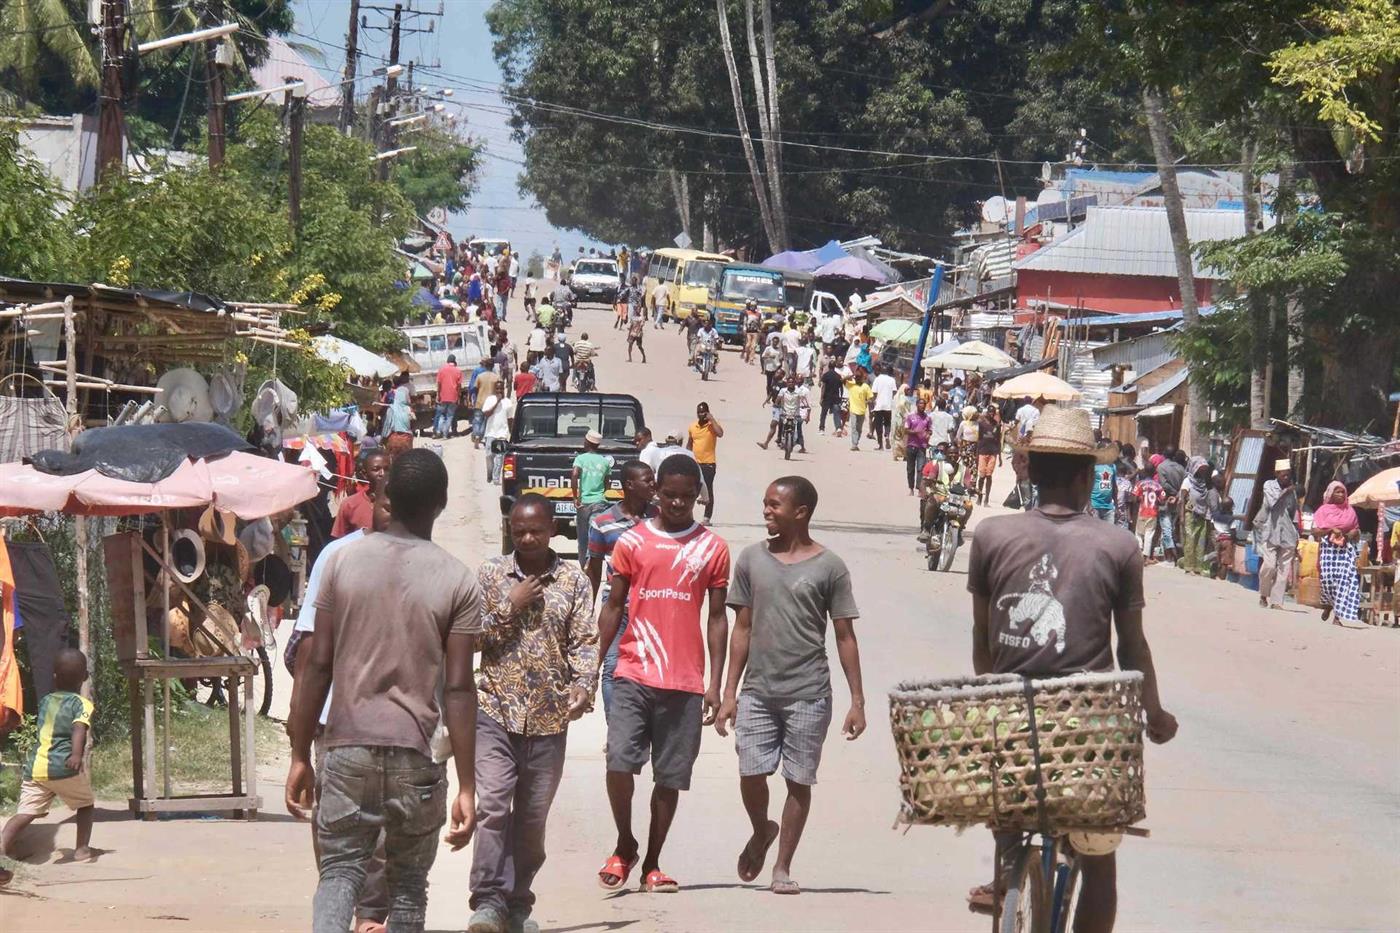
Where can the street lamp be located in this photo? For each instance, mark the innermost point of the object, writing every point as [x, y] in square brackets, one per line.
[394, 152]
[213, 32]
[390, 71]
[266, 91]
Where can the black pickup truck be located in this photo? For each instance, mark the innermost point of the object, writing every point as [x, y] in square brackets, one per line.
[548, 435]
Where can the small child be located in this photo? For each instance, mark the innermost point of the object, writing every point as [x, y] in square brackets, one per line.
[55, 767]
[1224, 519]
[1148, 493]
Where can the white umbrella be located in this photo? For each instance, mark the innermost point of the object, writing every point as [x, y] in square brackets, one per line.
[1037, 385]
[973, 356]
[1381, 489]
[360, 360]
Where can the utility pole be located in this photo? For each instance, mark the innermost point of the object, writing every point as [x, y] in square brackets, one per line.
[213, 65]
[384, 134]
[111, 123]
[347, 91]
[296, 117]
[391, 87]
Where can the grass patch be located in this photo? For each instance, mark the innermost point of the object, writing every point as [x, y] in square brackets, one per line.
[199, 757]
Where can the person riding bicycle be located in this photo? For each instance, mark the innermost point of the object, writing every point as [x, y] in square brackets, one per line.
[1086, 576]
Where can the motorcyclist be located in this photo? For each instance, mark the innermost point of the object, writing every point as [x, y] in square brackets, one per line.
[707, 339]
[940, 472]
[584, 352]
[791, 403]
[563, 300]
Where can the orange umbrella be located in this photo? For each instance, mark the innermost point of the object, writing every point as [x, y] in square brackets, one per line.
[1037, 385]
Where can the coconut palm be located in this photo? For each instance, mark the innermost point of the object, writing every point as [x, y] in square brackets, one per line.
[33, 31]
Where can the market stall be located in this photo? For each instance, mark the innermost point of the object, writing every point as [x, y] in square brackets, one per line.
[195, 503]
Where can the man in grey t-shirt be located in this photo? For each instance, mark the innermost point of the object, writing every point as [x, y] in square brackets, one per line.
[785, 590]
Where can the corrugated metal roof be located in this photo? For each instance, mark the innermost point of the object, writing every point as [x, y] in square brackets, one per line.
[1162, 389]
[1141, 354]
[1123, 240]
[284, 63]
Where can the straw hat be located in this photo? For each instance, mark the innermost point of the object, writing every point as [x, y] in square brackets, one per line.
[1068, 431]
[187, 556]
[218, 526]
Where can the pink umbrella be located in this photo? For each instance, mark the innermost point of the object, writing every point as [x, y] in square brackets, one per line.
[246, 485]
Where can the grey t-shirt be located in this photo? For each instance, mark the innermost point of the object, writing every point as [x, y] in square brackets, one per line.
[393, 599]
[1054, 582]
[791, 604]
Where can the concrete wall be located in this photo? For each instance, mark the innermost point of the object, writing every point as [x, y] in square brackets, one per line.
[66, 146]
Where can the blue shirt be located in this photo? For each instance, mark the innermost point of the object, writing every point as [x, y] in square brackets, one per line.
[604, 529]
[1104, 486]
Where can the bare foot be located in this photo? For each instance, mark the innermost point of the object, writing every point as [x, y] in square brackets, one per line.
[751, 859]
[6, 876]
[764, 445]
[370, 926]
[84, 854]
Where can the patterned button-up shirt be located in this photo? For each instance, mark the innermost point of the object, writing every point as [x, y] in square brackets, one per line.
[529, 660]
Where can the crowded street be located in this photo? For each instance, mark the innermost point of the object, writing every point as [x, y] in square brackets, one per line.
[1277, 794]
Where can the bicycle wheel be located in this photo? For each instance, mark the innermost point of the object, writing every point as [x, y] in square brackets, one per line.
[1025, 908]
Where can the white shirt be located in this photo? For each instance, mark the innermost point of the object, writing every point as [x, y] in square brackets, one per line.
[942, 424]
[828, 327]
[885, 387]
[654, 454]
[514, 268]
[661, 297]
[792, 339]
[536, 343]
[306, 621]
[1026, 417]
[498, 422]
[804, 360]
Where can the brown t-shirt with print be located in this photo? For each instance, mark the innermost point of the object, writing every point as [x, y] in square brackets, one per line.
[1054, 582]
[393, 599]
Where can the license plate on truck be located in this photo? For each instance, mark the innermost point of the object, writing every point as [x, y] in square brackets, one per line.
[564, 508]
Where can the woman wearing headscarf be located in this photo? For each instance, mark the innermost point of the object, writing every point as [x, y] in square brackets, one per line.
[967, 435]
[1337, 528]
[397, 434]
[1201, 500]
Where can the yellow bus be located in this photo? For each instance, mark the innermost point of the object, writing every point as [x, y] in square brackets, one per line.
[690, 274]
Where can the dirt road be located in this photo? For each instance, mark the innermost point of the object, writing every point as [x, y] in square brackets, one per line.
[1275, 809]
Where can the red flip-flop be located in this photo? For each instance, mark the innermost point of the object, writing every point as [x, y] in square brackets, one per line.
[615, 867]
[658, 882]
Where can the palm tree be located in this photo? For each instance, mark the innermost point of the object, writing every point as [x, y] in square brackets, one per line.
[33, 30]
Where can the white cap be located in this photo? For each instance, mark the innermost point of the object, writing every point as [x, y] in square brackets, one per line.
[1282, 465]
[593, 437]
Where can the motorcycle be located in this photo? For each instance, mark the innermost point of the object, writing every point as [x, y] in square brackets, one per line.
[787, 435]
[945, 517]
[706, 363]
[583, 378]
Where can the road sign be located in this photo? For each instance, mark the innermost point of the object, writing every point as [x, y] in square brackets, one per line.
[682, 240]
[443, 243]
[437, 216]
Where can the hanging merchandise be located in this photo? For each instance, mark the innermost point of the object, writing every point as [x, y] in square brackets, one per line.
[187, 557]
[41, 609]
[29, 424]
[226, 391]
[11, 693]
[184, 394]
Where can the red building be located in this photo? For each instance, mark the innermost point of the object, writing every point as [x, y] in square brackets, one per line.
[1120, 260]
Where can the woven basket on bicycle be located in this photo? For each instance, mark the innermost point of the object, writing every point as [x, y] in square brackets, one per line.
[966, 756]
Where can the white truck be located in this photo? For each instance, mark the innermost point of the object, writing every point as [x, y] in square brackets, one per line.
[429, 345]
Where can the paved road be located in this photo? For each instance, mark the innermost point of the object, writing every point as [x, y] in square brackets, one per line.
[1275, 809]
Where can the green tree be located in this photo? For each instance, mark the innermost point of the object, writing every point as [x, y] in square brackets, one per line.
[35, 239]
[440, 173]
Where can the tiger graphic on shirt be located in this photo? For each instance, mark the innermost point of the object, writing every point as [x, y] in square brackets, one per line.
[1038, 606]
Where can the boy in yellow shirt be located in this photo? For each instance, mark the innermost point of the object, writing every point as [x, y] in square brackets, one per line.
[858, 396]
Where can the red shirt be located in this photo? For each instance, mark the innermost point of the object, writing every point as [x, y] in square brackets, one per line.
[449, 384]
[356, 511]
[524, 383]
[668, 576]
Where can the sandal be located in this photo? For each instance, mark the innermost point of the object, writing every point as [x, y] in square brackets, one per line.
[786, 886]
[658, 882]
[615, 867]
[982, 899]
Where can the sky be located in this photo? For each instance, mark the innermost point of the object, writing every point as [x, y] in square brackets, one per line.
[462, 43]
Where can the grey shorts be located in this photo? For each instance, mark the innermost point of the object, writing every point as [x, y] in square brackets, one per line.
[767, 731]
[662, 723]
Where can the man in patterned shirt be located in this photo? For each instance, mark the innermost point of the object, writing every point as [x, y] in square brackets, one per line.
[539, 652]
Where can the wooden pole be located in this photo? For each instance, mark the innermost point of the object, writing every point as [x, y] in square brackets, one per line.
[80, 536]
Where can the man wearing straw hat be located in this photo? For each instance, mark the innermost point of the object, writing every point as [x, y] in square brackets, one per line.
[1049, 587]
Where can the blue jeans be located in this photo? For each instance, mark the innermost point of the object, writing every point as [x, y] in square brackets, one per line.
[1104, 514]
[445, 418]
[478, 422]
[1164, 522]
[610, 665]
[365, 790]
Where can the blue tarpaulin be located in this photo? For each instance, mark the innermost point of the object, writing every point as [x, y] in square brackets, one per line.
[427, 299]
[849, 267]
[831, 252]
